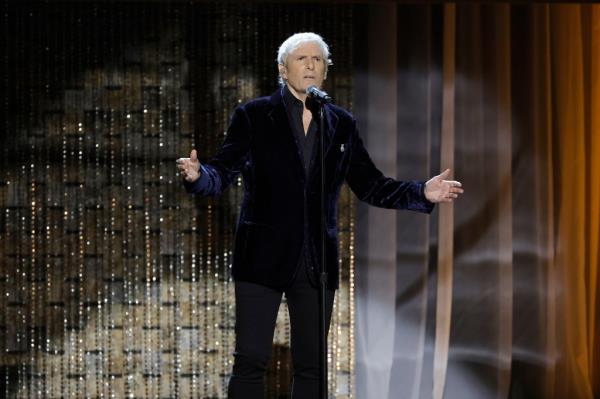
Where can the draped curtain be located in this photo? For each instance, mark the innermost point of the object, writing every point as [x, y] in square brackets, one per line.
[497, 295]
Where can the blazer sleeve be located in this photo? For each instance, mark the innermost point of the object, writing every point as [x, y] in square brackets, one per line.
[371, 186]
[217, 174]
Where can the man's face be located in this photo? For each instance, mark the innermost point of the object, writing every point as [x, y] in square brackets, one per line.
[304, 67]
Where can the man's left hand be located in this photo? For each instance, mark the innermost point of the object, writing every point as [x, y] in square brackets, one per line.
[439, 190]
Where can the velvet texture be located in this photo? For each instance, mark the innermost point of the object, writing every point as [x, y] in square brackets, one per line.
[279, 200]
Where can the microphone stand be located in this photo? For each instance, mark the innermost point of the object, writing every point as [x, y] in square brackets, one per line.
[321, 98]
[322, 268]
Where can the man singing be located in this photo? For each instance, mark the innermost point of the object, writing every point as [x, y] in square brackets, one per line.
[273, 142]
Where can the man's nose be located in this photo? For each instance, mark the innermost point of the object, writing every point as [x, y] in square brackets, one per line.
[310, 64]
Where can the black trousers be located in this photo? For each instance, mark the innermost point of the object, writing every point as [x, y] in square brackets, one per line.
[256, 314]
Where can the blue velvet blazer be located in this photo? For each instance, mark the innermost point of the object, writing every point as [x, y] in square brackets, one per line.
[280, 203]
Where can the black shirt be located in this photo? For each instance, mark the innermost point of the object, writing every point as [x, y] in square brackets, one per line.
[306, 142]
[306, 145]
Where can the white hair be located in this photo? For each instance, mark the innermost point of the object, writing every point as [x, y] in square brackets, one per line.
[293, 42]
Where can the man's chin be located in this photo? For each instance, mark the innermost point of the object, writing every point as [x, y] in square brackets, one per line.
[301, 89]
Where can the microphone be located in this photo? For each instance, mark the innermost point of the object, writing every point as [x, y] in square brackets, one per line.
[318, 95]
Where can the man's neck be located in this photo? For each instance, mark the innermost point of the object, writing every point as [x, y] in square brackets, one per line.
[299, 96]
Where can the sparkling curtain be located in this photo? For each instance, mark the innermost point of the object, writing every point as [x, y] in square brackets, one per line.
[114, 282]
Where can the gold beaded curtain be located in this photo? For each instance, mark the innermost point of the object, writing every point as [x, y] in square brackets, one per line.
[114, 282]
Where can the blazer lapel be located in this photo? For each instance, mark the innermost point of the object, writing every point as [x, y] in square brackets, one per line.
[282, 126]
[331, 121]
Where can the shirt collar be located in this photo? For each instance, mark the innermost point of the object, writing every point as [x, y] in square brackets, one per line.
[290, 99]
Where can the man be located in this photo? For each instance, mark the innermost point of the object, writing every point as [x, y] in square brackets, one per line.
[273, 141]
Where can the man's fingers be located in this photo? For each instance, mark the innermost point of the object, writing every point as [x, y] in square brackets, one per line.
[454, 183]
[193, 156]
[182, 167]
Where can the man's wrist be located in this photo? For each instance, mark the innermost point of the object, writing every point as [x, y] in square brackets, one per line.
[202, 180]
[199, 173]
[425, 193]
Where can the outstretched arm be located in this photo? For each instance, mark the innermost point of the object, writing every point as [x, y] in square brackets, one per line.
[213, 177]
[371, 186]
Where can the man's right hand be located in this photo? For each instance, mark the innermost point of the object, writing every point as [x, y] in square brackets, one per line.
[189, 168]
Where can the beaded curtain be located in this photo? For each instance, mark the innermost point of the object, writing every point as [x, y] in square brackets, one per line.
[114, 281]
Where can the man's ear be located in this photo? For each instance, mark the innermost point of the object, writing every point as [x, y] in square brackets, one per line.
[282, 71]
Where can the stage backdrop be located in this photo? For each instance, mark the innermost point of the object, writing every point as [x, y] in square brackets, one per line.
[114, 281]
